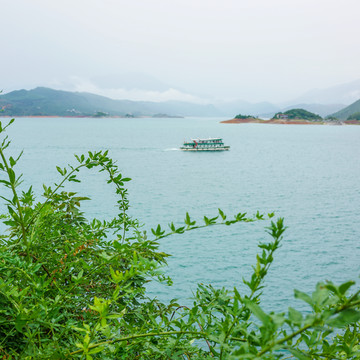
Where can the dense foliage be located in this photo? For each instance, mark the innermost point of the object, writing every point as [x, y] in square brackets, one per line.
[240, 116]
[73, 288]
[355, 116]
[331, 118]
[299, 114]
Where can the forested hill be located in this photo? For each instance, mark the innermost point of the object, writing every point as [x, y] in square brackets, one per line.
[49, 102]
[347, 112]
[298, 114]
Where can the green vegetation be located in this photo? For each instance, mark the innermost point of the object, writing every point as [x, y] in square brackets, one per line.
[73, 288]
[299, 114]
[101, 114]
[240, 116]
[331, 118]
[348, 111]
[355, 116]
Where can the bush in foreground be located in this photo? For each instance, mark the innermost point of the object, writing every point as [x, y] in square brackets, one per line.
[71, 288]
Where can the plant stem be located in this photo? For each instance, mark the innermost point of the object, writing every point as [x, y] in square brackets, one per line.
[23, 229]
[286, 338]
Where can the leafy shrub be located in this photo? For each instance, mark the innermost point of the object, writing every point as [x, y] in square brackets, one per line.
[71, 288]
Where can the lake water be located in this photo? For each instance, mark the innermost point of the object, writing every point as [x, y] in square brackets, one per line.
[310, 175]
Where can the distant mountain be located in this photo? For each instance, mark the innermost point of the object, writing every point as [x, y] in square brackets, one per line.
[230, 108]
[49, 102]
[345, 94]
[349, 110]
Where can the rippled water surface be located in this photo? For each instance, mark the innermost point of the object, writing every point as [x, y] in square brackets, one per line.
[310, 175]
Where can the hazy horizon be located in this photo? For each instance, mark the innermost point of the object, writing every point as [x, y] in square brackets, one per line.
[181, 50]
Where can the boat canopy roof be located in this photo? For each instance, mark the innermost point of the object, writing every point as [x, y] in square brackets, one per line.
[208, 139]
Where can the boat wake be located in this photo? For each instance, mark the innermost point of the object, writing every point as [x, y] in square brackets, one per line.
[172, 149]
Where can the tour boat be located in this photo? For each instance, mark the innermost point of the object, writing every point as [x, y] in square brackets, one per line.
[210, 144]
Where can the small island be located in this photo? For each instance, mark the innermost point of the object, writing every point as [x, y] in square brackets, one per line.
[289, 117]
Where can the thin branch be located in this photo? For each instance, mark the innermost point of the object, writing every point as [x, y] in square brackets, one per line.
[131, 337]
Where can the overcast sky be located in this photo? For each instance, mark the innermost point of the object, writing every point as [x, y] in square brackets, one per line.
[254, 50]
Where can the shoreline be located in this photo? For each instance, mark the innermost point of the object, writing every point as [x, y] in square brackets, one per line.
[90, 117]
[289, 122]
[231, 121]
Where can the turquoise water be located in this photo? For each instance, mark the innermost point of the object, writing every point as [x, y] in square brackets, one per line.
[307, 174]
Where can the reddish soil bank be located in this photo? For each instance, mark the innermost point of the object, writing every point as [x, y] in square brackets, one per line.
[272, 121]
[352, 122]
[243, 121]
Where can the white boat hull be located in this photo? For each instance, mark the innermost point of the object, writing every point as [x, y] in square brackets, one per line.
[215, 149]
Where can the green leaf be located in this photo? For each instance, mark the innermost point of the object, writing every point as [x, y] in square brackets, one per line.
[258, 312]
[180, 230]
[13, 214]
[302, 296]
[19, 323]
[237, 294]
[58, 168]
[343, 288]
[240, 217]
[223, 216]
[172, 227]
[346, 317]
[158, 232]
[11, 174]
[96, 349]
[299, 354]
[80, 275]
[187, 219]
[295, 316]
[12, 161]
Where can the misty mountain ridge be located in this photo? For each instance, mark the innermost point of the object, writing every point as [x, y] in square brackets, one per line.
[343, 114]
[43, 101]
[107, 85]
[345, 94]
